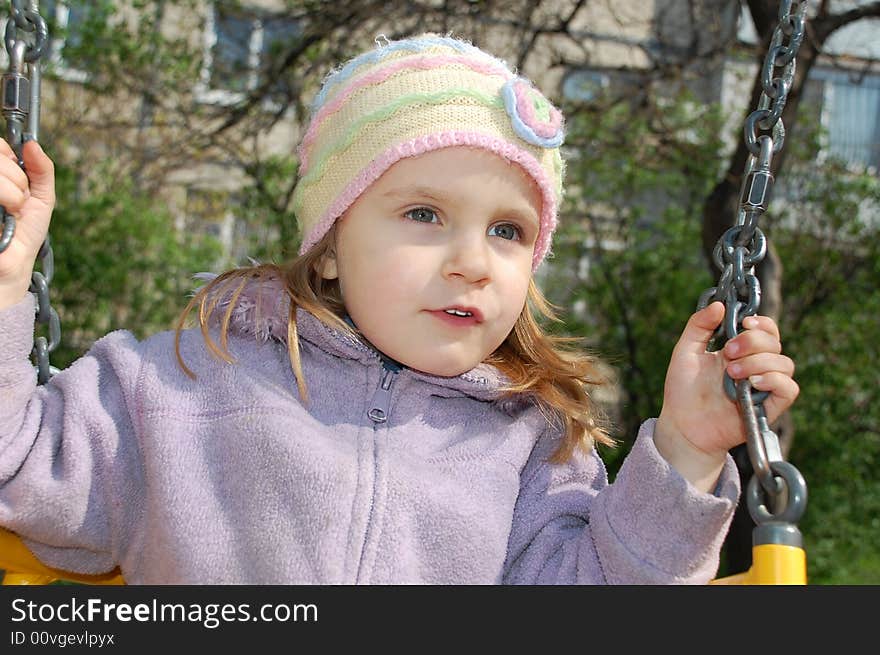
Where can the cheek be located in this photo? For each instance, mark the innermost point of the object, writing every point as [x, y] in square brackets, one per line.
[399, 273]
[515, 280]
[383, 277]
[512, 299]
[513, 309]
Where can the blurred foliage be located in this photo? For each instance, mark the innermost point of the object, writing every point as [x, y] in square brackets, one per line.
[628, 265]
[119, 261]
[270, 229]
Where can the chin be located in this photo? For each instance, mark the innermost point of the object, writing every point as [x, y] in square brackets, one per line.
[443, 370]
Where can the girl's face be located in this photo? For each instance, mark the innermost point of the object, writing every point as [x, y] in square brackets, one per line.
[434, 259]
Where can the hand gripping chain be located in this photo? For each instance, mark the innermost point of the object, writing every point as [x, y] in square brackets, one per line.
[739, 250]
[27, 37]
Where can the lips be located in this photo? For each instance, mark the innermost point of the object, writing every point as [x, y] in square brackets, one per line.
[458, 315]
[458, 310]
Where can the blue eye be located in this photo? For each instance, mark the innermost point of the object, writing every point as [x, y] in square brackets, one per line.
[506, 231]
[422, 215]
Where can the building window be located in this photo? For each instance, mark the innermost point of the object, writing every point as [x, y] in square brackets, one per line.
[68, 22]
[207, 215]
[598, 85]
[585, 85]
[241, 44]
[846, 102]
[850, 114]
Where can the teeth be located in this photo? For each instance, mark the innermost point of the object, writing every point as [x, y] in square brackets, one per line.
[456, 312]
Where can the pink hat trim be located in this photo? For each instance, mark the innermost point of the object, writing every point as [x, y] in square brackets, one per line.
[431, 142]
[425, 62]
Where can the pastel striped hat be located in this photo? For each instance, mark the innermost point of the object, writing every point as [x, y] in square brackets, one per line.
[412, 96]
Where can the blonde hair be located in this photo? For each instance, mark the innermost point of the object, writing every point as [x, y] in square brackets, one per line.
[549, 368]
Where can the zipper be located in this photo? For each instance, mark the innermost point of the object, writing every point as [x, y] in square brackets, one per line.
[380, 405]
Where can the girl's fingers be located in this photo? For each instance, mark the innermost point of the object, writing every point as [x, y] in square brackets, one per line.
[12, 197]
[760, 364]
[783, 392]
[753, 341]
[14, 185]
[764, 323]
[10, 170]
[40, 172]
[6, 150]
[699, 329]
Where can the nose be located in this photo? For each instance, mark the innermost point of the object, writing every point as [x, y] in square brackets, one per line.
[467, 257]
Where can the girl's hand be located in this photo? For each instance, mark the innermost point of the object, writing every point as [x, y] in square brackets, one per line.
[699, 423]
[30, 202]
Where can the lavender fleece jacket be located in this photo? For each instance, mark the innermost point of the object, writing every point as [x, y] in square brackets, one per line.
[121, 459]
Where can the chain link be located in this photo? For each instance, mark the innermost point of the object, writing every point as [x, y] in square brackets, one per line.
[26, 39]
[742, 247]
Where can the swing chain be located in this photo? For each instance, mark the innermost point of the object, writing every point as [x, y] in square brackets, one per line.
[739, 250]
[26, 39]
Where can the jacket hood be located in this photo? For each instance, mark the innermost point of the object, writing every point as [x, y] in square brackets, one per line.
[262, 310]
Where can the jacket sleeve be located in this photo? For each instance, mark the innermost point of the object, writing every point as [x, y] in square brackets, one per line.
[69, 466]
[651, 526]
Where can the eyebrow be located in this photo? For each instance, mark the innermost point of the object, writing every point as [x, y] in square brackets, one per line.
[420, 191]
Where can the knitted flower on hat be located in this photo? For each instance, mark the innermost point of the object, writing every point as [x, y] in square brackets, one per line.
[413, 96]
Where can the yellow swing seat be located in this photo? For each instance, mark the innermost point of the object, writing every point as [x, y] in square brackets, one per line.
[772, 564]
[22, 568]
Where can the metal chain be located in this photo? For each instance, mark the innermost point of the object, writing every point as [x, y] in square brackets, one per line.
[26, 38]
[739, 250]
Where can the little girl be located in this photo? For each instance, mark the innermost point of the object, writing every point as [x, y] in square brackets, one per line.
[386, 407]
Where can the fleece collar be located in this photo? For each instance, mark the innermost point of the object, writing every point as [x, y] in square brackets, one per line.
[262, 310]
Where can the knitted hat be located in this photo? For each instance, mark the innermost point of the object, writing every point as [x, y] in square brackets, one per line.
[413, 96]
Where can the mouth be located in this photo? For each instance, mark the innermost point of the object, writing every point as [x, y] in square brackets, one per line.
[459, 315]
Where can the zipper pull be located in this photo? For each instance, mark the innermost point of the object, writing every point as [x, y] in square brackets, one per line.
[381, 403]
